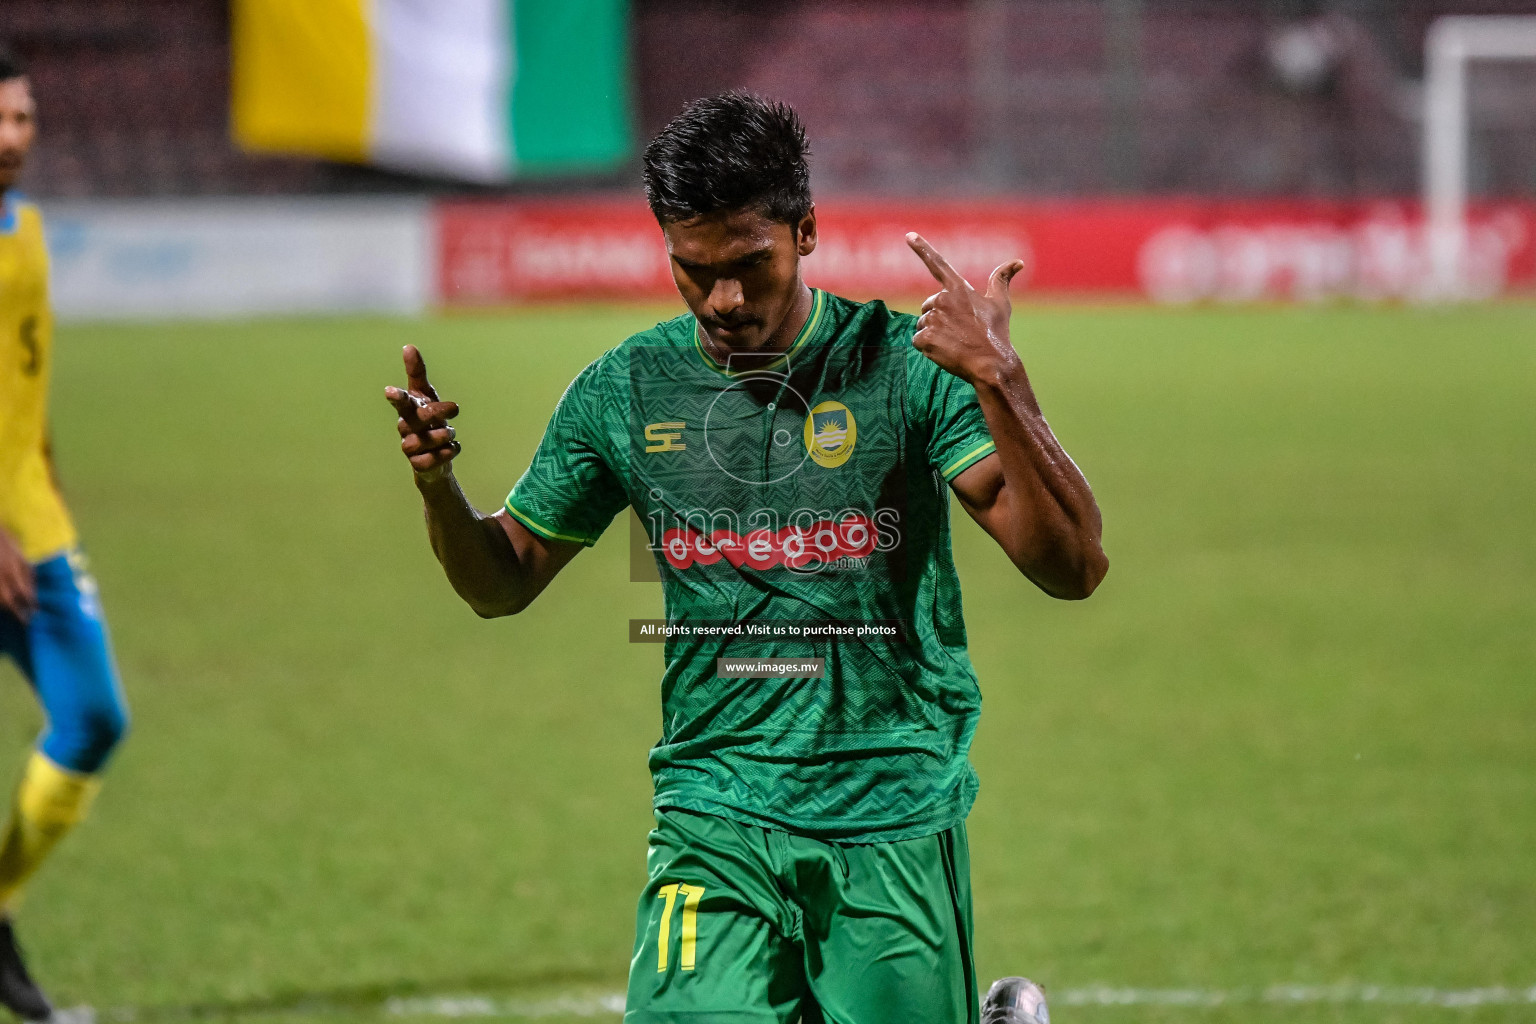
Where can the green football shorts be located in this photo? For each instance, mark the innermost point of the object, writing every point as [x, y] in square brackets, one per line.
[750, 925]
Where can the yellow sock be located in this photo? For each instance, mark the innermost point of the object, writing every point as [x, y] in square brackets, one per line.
[49, 802]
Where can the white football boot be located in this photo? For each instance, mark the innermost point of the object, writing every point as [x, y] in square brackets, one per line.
[1014, 1001]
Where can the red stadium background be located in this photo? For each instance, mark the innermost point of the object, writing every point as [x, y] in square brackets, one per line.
[1173, 251]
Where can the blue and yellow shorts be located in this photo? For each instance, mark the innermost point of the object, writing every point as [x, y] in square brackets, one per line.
[64, 652]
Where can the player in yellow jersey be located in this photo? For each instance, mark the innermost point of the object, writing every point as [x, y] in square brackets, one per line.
[50, 618]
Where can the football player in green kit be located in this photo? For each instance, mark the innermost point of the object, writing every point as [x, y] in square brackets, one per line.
[792, 454]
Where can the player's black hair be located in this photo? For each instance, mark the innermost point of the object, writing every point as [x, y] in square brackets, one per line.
[729, 152]
[10, 64]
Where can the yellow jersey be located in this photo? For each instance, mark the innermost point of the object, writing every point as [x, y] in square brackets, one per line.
[31, 509]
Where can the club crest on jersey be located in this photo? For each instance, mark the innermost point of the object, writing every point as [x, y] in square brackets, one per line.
[830, 433]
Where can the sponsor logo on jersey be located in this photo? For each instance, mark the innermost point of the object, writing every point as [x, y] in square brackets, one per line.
[806, 548]
[665, 437]
[830, 434]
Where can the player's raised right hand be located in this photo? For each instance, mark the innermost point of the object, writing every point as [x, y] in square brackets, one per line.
[18, 583]
[425, 434]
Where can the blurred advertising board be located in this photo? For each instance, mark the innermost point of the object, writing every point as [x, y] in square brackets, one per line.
[223, 258]
[1167, 251]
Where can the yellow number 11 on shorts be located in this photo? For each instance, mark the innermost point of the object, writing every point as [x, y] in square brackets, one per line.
[691, 895]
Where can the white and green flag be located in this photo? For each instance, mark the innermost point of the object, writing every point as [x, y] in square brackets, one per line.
[481, 90]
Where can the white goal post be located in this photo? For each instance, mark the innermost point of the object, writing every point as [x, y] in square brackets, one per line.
[1451, 43]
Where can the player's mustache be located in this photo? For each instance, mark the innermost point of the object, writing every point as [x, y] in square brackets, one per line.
[730, 323]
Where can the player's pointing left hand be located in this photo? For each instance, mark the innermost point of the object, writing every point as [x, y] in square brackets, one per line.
[961, 329]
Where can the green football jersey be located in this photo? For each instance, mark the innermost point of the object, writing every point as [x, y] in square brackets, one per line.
[786, 497]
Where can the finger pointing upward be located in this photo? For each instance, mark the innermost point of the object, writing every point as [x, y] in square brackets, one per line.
[937, 265]
[416, 373]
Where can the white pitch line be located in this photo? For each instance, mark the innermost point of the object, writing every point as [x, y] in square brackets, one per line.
[1104, 995]
[612, 1003]
[608, 1004]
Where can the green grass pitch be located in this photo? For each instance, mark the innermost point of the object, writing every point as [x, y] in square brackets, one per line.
[1291, 741]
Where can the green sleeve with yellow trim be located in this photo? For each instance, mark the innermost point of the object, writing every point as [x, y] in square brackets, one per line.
[946, 409]
[571, 491]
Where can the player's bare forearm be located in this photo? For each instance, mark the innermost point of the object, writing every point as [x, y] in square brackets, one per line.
[1032, 499]
[493, 562]
[476, 554]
